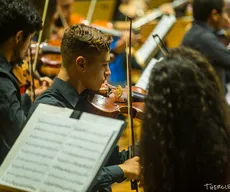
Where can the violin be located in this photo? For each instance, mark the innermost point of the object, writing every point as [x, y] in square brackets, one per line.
[114, 102]
[23, 77]
[49, 59]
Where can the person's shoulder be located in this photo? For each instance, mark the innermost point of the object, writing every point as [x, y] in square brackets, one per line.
[8, 82]
[198, 35]
[200, 32]
[51, 97]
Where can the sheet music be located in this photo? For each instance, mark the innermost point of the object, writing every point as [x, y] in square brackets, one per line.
[43, 110]
[144, 79]
[150, 45]
[60, 154]
[147, 18]
[104, 120]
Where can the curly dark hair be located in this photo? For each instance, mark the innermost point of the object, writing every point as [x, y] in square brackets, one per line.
[18, 15]
[83, 40]
[185, 125]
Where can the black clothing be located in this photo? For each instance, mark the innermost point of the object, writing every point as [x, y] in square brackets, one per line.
[202, 38]
[12, 115]
[64, 95]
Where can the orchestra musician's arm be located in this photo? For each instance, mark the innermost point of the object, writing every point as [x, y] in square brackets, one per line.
[12, 115]
[25, 103]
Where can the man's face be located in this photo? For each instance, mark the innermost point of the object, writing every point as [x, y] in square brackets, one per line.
[96, 72]
[21, 49]
[66, 7]
[222, 20]
[225, 22]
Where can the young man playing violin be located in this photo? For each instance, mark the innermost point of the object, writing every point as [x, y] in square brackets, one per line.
[18, 23]
[118, 46]
[86, 55]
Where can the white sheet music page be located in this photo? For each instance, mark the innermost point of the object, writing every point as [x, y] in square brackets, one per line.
[142, 55]
[144, 79]
[108, 122]
[147, 18]
[59, 154]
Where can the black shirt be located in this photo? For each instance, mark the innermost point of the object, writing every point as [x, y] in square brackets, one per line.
[12, 115]
[203, 38]
[63, 94]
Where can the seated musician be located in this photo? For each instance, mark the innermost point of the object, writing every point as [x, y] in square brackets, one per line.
[85, 53]
[186, 125]
[18, 23]
[208, 19]
[118, 45]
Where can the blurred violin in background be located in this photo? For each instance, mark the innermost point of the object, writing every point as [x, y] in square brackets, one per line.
[49, 59]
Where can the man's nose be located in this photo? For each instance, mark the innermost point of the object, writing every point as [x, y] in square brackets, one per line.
[108, 71]
[227, 19]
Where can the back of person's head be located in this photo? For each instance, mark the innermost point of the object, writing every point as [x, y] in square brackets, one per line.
[17, 15]
[202, 9]
[185, 125]
[83, 40]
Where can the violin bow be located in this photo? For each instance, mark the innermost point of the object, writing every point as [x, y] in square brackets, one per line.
[91, 10]
[31, 72]
[134, 185]
[62, 17]
[33, 68]
[40, 35]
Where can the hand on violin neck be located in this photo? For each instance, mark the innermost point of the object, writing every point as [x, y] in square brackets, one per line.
[106, 87]
[131, 168]
[37, 91]
[167, 8]
[46, 81]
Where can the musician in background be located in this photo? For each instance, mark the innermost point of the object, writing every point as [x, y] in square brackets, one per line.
[118, 45]
[63, 18]
[18, 23]
[186, 125]
[86, 57]
[208, 19]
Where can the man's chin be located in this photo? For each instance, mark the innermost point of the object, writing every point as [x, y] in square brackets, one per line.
[18, 62]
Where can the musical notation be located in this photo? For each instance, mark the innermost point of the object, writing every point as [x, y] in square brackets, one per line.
[58, 155]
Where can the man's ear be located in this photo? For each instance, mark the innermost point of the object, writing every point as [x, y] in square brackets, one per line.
[215, 15]
[81, 63]
[19, 36]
